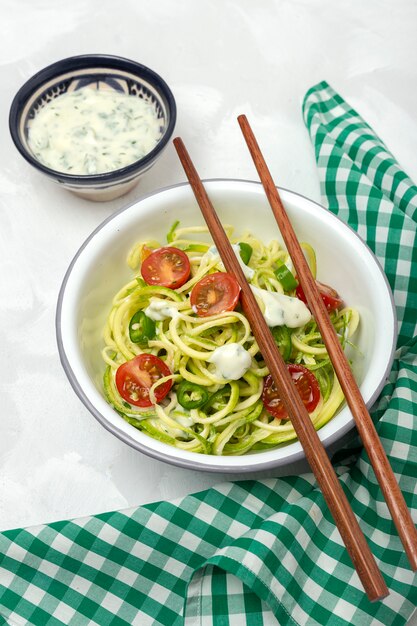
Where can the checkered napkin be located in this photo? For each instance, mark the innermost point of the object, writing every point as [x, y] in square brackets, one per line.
[261, 552]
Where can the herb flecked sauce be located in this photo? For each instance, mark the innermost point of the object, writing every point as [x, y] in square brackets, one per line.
[91, 131]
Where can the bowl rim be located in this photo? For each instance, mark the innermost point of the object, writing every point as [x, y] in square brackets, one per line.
[85, 61]
[191, 463]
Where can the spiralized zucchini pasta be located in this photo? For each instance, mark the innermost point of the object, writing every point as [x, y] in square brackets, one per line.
[182, 364]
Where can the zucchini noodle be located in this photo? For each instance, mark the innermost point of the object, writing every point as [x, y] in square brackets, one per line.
[222, 415]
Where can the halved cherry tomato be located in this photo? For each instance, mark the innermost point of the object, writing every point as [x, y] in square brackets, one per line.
[167, 267]
[330, 297]
[214, 294]
[307, 387]
[134, 379]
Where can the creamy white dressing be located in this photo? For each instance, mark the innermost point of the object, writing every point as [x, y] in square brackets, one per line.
[212, 253]
[184, 420]
[159, 310]
[282, 310]
[91, 131]
[231, 361]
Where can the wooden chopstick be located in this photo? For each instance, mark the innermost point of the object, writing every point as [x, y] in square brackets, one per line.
[333, 493]
[371, 441]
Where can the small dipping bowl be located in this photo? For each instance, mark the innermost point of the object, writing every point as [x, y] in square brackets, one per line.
[100, 72]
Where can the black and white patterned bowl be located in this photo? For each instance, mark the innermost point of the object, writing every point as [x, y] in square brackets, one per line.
[122, 75]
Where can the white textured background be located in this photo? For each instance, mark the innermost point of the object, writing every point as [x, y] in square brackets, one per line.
[221, 58]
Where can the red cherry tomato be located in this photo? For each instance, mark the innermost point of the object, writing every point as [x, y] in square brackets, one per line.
[330, 297]
[214, 294]
[134, 379]
[167, 267]
[307, 387]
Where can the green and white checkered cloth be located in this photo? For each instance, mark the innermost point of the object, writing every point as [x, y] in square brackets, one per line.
[255, 553]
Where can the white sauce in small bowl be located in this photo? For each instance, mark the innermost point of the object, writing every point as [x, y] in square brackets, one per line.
[90, 131]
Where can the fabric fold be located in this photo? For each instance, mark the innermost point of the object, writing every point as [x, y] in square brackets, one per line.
[362, 183]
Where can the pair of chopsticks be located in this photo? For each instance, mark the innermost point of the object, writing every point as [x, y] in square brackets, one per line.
[346, 522]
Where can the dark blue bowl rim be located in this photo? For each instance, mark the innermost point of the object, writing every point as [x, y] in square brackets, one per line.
[83, 62]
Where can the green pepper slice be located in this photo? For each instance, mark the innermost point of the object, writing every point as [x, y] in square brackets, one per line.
[285, 277]
[245, 252]
[141, 328]
[218, 395]
[191, 396]
[282, 337]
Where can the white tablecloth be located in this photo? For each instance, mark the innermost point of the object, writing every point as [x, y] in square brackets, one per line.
[221, 58]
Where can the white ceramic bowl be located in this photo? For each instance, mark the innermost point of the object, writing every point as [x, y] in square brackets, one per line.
[99, 270]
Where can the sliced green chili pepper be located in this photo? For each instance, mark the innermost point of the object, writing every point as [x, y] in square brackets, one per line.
[141, 328]
[282, 337]
[245, 252]
[217, 396]
[191, 396]
[285, 277]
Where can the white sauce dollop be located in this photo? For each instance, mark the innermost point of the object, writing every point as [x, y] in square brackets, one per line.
[159, 310]
[186, 422]
[92, 131]
[281, 309]
[183, 420]
[231, 361]
[213, 253]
